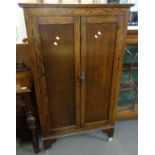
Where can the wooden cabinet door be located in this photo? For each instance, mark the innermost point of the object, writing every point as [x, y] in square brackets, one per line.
[101, 45]
[57, 46]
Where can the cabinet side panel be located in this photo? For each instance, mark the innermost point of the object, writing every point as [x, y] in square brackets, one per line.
[59, 64]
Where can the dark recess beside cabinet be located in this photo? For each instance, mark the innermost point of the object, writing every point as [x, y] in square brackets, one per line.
[77, 54]
[27, 126]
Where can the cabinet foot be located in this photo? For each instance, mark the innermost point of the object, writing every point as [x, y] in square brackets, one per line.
[110, 133]
[36, 150]
[110, 139]
[48, 143]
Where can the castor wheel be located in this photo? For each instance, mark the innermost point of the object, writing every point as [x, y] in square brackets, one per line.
[110, 139]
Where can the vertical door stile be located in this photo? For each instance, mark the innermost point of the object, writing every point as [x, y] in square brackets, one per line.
[83, 69]
[77, 68]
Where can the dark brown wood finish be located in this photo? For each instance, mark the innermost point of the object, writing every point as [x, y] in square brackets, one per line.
[22, 48]
[63, 108]
[109, 132]
[22, 55]
[60, 71]
[40, 62]
[132, 37]
[24, 79]
[48, 143]
[98, 50]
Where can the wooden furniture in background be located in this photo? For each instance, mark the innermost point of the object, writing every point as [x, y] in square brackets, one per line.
[25, 110]
[129, 83]
[76, 53]
[132, 37]
[22, 50]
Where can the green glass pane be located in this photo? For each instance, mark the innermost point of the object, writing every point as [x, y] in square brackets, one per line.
[127, 58]
[126, 103]
[127, 95]
[127, 98]
[134, 75]
[132, 48]
[136, 59]
[125, 76]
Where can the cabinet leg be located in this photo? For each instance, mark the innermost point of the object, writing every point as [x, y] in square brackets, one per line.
[109, 132]
[32, 126]
[48, 143]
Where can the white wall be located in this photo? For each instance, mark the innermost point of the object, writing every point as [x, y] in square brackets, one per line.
[20, 23]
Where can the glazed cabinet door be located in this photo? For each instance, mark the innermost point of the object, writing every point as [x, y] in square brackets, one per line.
[58, 60]
[99, 50]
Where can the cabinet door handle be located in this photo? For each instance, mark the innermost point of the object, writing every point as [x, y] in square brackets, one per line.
[82, 77]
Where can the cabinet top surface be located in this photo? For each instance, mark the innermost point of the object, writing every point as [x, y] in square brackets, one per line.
[45, 5]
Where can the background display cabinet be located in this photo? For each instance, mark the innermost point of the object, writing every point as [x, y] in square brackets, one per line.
[128, 98]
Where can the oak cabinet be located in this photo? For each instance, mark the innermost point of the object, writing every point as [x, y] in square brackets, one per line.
[77, 53]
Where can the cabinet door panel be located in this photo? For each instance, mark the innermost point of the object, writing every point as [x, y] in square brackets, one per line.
[98, 51]
[61, 68]
[58, 56]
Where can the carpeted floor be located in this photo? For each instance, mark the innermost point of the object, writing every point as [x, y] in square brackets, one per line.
[125, 142]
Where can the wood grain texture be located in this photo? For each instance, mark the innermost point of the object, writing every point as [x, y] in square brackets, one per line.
[22, 54]
[75, 131]
[66, 106]
[41, 5]
[76, 11]
[118, 63]
[22, 50]
[98, 57]
[59, 64]
[45, 102]
[33, 55]
[132, 37]
[123, 115]
[24, 79]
